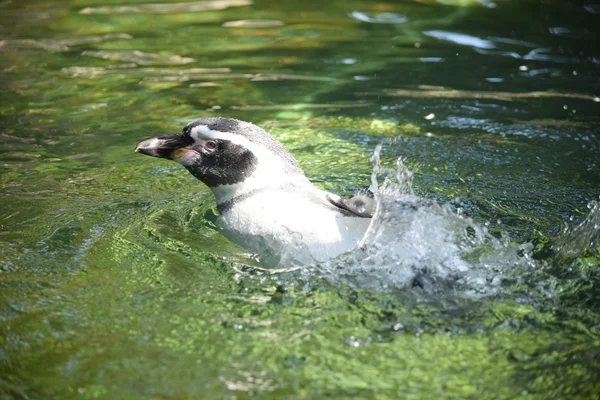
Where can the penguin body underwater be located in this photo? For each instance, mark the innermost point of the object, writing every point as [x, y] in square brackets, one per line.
[266, 203]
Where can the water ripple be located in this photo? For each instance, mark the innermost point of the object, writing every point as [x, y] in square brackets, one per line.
[139, 57]
[194, 6]
[57, 45]
[93, 72]
[253, 23]
[379, 18]
[473, 94]
[462, 39]
[184, 75]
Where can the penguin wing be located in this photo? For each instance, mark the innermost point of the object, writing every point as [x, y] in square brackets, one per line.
[361, 205]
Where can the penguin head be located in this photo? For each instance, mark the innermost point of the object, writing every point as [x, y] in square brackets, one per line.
[228, 155]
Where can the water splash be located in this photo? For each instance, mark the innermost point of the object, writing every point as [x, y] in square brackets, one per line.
[413, 241]
[582, 239]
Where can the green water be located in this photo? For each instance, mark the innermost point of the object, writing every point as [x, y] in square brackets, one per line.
[114, 282]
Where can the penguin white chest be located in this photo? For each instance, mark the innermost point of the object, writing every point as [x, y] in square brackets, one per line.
[291, 228]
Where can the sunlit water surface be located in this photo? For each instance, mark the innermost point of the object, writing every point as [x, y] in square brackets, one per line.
[479, 277]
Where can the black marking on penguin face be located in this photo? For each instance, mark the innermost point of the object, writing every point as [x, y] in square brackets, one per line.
[251, 132]
[214, 155]
[230, 163]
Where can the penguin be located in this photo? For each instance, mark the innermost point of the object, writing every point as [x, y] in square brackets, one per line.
[266, 203]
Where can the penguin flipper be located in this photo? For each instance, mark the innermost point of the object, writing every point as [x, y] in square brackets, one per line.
[361, 205]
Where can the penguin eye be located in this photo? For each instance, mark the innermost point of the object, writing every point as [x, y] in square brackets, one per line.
[210, 145]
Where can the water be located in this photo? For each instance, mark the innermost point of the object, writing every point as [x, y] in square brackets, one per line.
[115, 282]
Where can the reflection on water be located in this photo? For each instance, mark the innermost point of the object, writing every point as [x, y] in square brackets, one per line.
[115, 282]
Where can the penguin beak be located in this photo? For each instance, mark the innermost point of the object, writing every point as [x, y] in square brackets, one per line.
[165, 146]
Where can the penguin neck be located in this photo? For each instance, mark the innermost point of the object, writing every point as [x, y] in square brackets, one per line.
[227, 195]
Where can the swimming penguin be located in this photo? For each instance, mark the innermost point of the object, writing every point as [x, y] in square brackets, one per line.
[266, 203]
